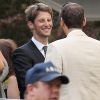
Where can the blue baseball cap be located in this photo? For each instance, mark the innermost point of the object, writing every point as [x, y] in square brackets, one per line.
[44, 72]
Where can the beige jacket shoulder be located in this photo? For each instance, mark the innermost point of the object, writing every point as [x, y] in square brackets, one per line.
[77, 56]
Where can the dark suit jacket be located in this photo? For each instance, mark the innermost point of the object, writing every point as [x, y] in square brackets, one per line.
[24, 58]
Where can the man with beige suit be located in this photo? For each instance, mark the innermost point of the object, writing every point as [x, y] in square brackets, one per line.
[77, 56]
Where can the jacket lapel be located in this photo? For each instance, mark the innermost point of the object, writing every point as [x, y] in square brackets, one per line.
[36, 53]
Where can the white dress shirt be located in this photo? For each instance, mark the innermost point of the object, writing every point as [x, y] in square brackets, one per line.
[39, 45]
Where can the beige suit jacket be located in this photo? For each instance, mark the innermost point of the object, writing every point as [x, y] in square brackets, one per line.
[78, 57]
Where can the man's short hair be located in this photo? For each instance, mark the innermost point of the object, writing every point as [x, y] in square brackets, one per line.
[73, 15]
[33, 10]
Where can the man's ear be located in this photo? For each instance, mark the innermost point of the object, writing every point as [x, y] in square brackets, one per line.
[30, 25]
[30, 89]
[84, 21]
[61, 23]
[63, 26]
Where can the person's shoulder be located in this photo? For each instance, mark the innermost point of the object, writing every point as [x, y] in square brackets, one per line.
[1, 61]
[23, 51]
[12, 78]
[92, 40]
[19, 51]
[58, 42]
[22, 48]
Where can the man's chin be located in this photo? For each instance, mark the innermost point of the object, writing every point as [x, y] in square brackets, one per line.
[53, 99]
[47, 35]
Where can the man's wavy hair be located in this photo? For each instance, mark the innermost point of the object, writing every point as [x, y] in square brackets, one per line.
[33, 10]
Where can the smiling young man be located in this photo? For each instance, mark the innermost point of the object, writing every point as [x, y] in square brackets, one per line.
[39, 21]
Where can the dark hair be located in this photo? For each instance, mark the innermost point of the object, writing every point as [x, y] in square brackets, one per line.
[33, 10]
[7, 46]
[73, 15]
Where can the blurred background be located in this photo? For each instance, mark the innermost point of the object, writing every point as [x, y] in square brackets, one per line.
[13, 24]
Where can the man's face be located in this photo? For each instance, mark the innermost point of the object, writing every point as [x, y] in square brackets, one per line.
[43, 24]
[45, 90]
[41, 91]
[55, 86]
[48, 90]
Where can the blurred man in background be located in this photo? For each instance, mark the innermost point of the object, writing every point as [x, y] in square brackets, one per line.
[43, 82]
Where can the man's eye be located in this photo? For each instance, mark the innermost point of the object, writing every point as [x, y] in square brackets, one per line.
[41, 20]
[49, 20]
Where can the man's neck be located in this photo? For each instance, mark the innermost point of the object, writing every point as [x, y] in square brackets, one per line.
[43, 40]
[71, 29]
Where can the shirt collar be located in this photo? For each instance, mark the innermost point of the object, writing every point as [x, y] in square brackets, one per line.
[76, 32]
[38, 44]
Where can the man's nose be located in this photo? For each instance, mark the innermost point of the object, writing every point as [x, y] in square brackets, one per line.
[46, 23]
[55, 89]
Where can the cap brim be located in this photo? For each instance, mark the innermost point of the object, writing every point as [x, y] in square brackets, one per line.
[53, 75]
